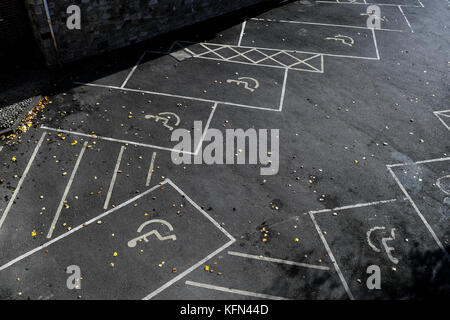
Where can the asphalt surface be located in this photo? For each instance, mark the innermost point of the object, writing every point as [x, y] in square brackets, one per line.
[364, 174]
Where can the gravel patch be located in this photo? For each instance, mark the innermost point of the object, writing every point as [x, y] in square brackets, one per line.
[10, 114]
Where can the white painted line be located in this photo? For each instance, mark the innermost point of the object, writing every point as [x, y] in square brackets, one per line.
[66, 234]
[242, 33]
[354, 206]
[188, 271]
[132, 71]
[407, 21]
[283, 90]
[195, 266]
[262, 65]
[438, 113]
[427, 225]
[292, 263]
[196, 206]
[283, 50]
[22, 179]
[1, 148]
[418, 162]
[235, 291]
[66, 191]
[150, 170]
[322, 24]
[175, 96]
[197, 150]
[113, 180]
[365, 4]
[114, 140]
[143, 144]
[376, 44]
[333, 260]
[251, 61]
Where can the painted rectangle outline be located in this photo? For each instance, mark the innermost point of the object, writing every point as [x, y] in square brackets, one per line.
[197, 150]
[124, 204]
[327, 54]
[419, 213]
[280, 108]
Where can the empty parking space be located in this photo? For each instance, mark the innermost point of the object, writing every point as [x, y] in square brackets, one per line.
[158, 236]
[96, 187]
[327, 40]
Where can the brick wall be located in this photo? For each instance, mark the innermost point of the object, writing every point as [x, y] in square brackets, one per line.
[111, 24]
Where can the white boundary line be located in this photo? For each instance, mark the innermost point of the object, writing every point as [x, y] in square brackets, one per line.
[406, 19]
[150, 170]
[418, 162]
[333, 260]
[22, 179]
[177, 96]
[242, 32]
[376, 44]
[354, 206]
[362, 3]
[113, 180]
[292, 263]
[313, 69]
[196, 206]
[188, 271]
[284, 50]
[197, 150]
[325, 243]
[283, 90]
[64, 235]
[322, 24]
[437, 114]
[138, 143]
[195, 266]
[124, 204]
[427, 225]
[235, 291]
[132, 71]
[66, 191]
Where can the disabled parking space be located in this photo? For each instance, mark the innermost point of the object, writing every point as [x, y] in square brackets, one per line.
[322, 39]
[130, 117]
[382, 2]
[391, 17]
[427, 184]
[412, 3]
[280, 260]
[129, 252]
[389, 237]
[243, 84]
[70, 180]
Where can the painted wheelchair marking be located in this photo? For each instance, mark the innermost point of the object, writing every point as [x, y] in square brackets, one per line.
[384, 241]
[133, 242]
[243, 80]
[165, 117]
[344, 39]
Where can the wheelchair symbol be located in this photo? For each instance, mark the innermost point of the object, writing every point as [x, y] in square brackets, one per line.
[133, 242]
[344, 39]
[384, 241]
[246, 81]
[165, 117]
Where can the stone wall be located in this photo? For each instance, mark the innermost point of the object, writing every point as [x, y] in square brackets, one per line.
[111, 24]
